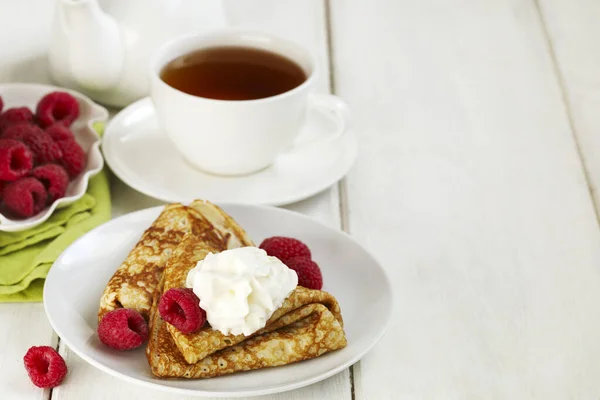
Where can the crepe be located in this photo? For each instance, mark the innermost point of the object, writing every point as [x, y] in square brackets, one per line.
[134, 283]
[308, 324]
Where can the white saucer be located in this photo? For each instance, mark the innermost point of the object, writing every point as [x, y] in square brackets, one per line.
[142, 156]
[75, 283]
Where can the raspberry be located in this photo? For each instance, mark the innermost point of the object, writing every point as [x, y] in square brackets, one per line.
[59, 132]
[285, 248]
[73, 157]
[123, 329]
[19, 130]
[45, 367]
[309, 273]
[41, 144]
[15, 115]
[181, 308]
[16, 160]
[57, 107]
[25, 197]
[54, 178]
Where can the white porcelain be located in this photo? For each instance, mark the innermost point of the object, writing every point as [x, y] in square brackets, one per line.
[28, 94]
[75, 283]
[102, 47]
[142, 156]
[239, 137]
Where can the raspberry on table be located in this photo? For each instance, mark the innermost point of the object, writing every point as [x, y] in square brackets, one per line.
[123, 329]
[57, 107]
[309, 273]
[73, 157]
[25, 197]
[16, 160]
[15, 115]
[54, 178]
[39, 142]
[45, 367]
[180, 307]
[285, 248]
[58, 132]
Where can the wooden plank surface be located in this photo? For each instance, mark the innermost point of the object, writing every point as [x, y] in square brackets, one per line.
[22, 326]
[469, 189]
[574, 32]
[303, 22]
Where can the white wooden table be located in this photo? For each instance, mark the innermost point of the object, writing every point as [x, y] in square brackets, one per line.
[475, 186]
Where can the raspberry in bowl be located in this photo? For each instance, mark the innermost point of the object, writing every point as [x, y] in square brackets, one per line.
[47, 140]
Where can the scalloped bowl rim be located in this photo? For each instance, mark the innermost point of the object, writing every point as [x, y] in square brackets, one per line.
[98, 114]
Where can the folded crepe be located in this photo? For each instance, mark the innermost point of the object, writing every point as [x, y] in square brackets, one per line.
[308, 324]
[134, 283]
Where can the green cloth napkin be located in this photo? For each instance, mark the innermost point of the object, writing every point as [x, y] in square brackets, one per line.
[26, 256]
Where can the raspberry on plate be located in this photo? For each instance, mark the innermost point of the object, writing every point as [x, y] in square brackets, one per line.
[14, 116]
[25, 197]
[39, 142]
[285, 248]
[57, 107]
[45, 367]
[123, 329]
[309, 273]
[16, 160]
[54, 178]
[73, 157]
[59, 132]
[180, 307]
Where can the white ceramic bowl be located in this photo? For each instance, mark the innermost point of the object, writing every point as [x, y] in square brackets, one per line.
[28, 94]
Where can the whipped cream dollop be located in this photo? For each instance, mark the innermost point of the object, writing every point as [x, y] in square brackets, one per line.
[241, 288]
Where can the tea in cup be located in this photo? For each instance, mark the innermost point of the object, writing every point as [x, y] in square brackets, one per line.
[232, 101]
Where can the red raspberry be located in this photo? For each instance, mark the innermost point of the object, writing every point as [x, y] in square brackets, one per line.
[19, 130]
[181, 308]
[16, 160]
[59, 132]
[57, 107]
[25, 197]
[309, 273]
[15, 115]
[41, 144]
[74, 157]
[45, 367]
[54, 178]
[285, 248]
[123, 329]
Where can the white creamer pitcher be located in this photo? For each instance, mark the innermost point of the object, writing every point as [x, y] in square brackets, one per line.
[102, 47]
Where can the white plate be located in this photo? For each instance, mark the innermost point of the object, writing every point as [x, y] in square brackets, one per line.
[76, 281]
[28, 94]
[143, 157]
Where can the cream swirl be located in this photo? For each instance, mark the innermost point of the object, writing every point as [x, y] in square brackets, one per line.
[241, 288]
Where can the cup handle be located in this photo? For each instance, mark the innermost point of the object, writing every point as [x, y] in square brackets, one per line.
[334, 106]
